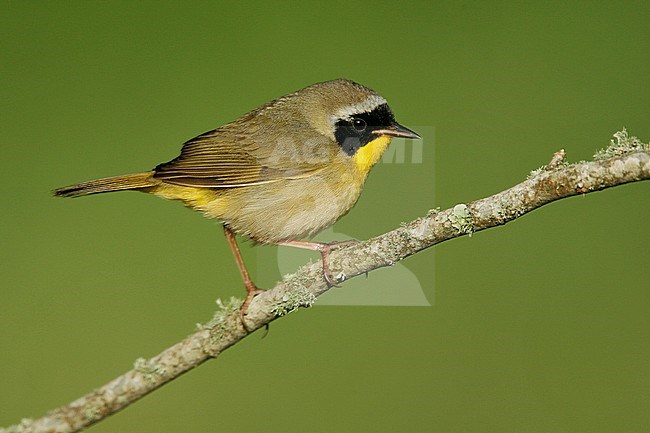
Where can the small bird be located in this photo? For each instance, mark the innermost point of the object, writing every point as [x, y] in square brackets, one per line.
[278, 174]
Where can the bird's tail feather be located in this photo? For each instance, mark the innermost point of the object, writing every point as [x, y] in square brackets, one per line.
[117, 183]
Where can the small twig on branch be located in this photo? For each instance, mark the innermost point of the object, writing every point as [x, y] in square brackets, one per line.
[626, 160]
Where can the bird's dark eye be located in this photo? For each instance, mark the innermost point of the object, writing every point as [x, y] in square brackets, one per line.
[359, 124]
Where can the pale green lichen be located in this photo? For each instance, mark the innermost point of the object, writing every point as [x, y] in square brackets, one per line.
[292, 300]
[287, 277]
[558, 161]
[149, 369]
[404, 235]
[419, 229]
[621, 144]
[24, 425]
[92, 413]
[433, 212]
[536, 172]
[303, 277]
[218, 325]
[461, 219]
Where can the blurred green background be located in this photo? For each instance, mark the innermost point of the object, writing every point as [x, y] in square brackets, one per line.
[538, 326]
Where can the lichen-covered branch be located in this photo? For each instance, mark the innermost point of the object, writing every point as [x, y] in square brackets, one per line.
[626, 160]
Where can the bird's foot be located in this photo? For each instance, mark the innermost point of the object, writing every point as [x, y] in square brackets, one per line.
[252, 291]
[325, 249]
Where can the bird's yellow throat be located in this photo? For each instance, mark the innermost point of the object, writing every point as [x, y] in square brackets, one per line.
[368, 155]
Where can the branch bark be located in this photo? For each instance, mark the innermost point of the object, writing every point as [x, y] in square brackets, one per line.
[555, 181]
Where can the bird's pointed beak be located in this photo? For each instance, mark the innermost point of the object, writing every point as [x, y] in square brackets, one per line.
[397, 130]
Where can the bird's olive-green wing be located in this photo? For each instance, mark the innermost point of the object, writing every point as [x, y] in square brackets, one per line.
[224, 158]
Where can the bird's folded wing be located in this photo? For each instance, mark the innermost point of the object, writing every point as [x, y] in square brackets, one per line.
[223, 159]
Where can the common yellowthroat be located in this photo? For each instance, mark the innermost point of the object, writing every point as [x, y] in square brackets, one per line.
[279, 173]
